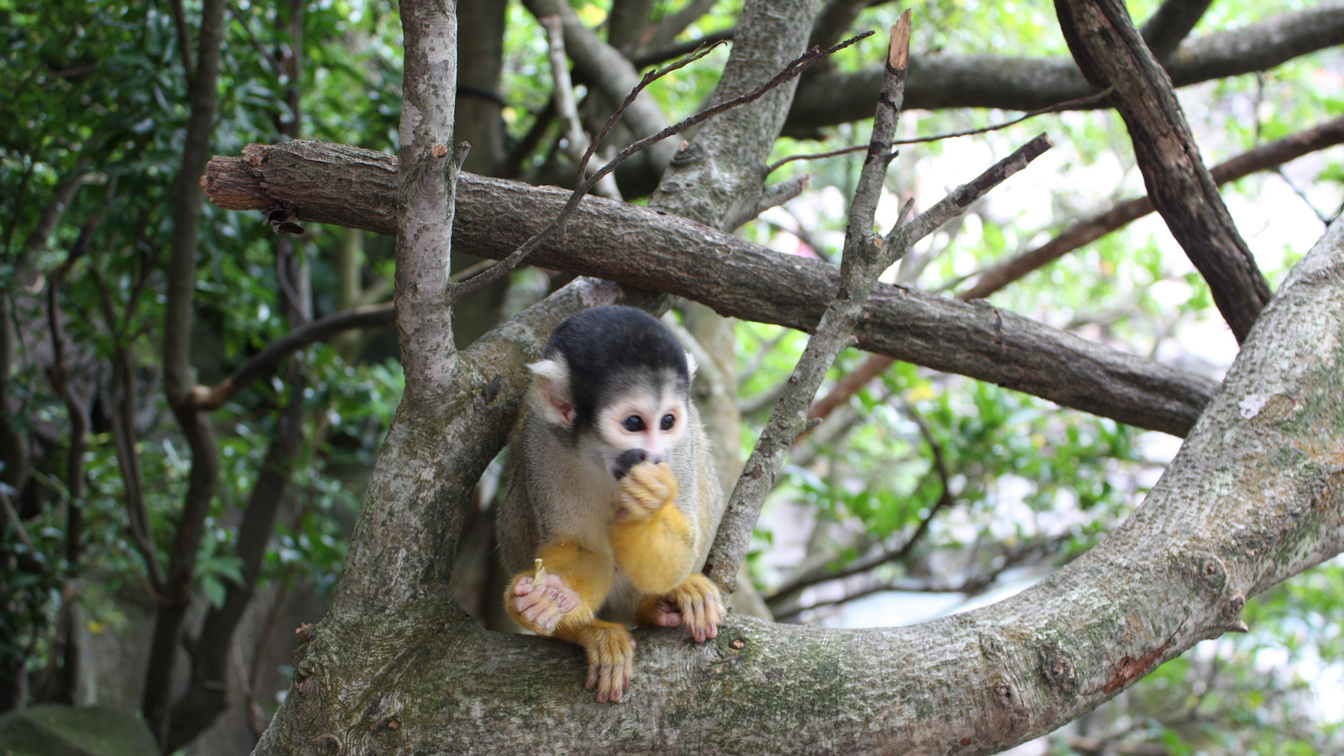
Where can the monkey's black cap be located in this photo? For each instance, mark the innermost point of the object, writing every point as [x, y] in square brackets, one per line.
[606, 348]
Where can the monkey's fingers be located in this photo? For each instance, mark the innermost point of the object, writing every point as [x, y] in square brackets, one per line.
[540, 606]
[646, 488]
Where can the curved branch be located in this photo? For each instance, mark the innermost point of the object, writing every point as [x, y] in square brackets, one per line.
[264, 362]
[1010, 83]
[1254, 497]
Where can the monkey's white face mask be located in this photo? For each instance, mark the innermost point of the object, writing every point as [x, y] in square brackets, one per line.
[638, 417]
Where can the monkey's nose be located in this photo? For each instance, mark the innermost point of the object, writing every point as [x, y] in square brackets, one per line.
[628, 459]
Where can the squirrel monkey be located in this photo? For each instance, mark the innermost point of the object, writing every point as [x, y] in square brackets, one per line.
[613, 498]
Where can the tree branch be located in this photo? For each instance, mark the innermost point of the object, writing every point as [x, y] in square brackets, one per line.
[1209, 537]
[567, 110]
[264, 362]
[937, 81]
[646, 249]
[605, 68]
[427, 176]
[179, 375]
[1085, 231]
[1110, 52]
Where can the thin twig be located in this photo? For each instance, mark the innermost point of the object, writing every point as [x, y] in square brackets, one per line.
[792, 70]
[994, 278]
[865, 564]
[1076, 103]
[814, 156]
[860, 266]
[903, 236]
[567, 109]
[261, 363]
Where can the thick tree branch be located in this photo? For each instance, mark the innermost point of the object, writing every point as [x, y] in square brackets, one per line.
[643, 248]
[828, 98]
[428, 170]
[1110, 52]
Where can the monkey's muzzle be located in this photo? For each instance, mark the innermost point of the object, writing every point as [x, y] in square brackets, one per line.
[631, 457]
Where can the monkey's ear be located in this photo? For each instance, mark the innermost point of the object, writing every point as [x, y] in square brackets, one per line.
[691, 365]
[551, 391]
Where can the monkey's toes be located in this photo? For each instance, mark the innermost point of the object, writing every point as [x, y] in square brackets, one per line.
[611, 659]
[701, 607]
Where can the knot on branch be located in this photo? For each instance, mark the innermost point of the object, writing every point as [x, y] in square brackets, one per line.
[1056, 669]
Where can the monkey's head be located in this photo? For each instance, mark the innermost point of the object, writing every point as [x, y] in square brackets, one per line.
[615, 384]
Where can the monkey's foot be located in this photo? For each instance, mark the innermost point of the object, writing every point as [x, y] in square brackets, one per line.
[644, 489]
[540, 607]
[611, 657]
[695, 604]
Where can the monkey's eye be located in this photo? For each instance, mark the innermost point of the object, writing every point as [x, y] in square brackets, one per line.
[634, 423]
[667, 422]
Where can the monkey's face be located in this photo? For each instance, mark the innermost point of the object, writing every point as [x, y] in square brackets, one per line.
[638, 426]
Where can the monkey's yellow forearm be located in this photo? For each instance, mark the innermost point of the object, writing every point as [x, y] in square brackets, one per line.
[655, 553]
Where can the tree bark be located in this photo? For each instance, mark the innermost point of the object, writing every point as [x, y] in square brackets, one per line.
[1255, 496]
[1110, 53]
[646, 249]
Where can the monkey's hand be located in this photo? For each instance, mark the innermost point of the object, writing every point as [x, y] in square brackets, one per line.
[539, 605]
[695, 604]
[644, 490]
[611, 656]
